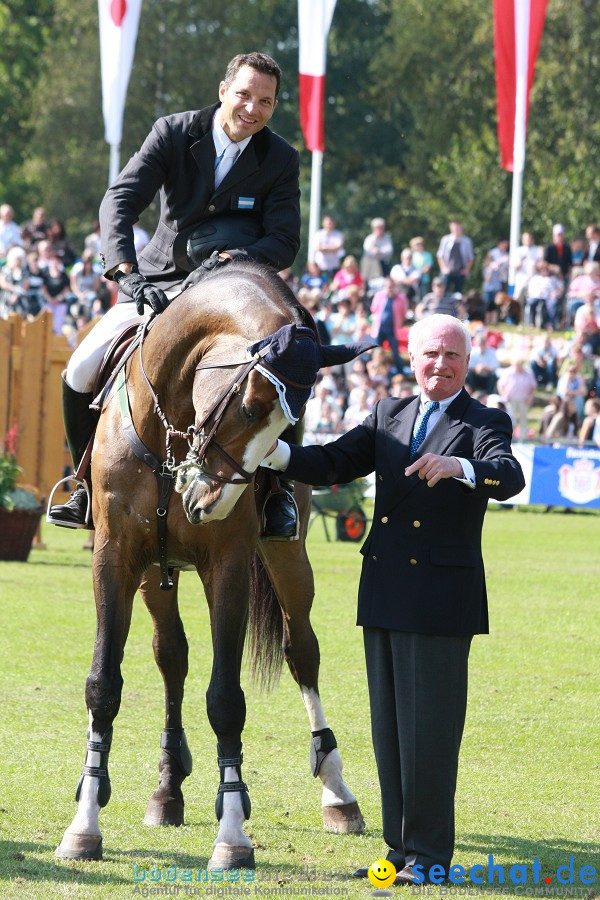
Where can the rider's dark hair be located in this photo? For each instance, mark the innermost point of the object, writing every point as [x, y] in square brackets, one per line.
[259, 61]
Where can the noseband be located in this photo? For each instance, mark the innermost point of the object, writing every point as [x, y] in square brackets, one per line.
[198, 440]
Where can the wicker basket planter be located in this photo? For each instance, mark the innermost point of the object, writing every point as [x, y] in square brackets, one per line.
[17, 530]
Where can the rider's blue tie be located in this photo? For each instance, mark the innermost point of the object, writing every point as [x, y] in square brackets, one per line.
[421, 432]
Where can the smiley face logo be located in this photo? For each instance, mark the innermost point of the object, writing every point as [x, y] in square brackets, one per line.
[381, 873]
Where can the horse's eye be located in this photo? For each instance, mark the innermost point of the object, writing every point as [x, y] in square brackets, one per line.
[250, 413]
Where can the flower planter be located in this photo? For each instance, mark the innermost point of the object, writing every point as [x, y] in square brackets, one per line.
[17, 530]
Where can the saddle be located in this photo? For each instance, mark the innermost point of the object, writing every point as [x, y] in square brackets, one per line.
[119, 351]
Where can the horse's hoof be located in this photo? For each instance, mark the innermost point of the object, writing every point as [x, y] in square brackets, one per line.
[227, 857]
[344, 819]
[80, 846]
[168, 812]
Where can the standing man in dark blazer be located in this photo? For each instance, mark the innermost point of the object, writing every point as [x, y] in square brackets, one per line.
[228, 188]
[437, 458]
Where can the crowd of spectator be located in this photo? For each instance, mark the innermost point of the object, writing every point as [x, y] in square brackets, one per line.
[378, 292]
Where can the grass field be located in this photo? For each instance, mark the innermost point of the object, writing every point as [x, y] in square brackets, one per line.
[530, 763]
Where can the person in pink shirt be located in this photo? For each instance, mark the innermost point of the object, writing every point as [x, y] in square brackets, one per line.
[516, 386]
[388, 311]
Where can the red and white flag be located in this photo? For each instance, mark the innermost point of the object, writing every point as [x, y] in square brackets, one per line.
[518, 26]
[118, 32]
[314, 20]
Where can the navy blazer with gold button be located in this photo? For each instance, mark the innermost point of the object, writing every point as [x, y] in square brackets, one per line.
[177, 159]
[422, 563]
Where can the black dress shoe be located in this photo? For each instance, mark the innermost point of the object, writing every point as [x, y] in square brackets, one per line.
[361, 873]
[71, 514]
[280, 517]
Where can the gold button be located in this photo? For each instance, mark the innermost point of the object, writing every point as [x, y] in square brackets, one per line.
[416, 523]
[384, 519]
[211, 208]
[413, 562]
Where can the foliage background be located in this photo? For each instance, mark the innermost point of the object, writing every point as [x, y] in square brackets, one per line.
[410, 112]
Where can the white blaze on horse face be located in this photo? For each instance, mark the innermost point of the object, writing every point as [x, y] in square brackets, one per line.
[206, 501]
[335, 790]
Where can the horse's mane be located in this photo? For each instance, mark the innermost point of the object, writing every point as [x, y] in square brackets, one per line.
[300, 315]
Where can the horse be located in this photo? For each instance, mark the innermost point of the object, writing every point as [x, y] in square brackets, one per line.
[193, 369]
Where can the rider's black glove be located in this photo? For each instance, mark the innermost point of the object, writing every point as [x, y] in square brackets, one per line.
[143, 292]
[206, 266]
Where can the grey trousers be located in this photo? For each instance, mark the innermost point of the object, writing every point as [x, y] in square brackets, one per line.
[418, 698]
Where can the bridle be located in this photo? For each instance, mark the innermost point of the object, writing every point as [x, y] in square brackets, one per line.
[197, 438]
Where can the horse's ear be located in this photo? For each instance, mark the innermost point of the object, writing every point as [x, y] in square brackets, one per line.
[336, 354]
[282, 341]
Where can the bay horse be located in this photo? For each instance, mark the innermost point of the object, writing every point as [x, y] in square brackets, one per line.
[193, 371]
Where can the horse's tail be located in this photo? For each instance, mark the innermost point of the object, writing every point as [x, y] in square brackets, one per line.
[265, 633]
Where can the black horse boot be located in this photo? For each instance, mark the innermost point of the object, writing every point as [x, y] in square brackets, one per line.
[80, 422]
[280, 512]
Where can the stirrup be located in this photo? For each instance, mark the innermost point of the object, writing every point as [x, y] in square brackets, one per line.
[52, 521]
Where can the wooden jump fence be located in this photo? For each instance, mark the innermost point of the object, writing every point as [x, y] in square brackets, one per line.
[31, 361]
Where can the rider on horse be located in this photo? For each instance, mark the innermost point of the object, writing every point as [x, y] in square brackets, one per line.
[229, 189]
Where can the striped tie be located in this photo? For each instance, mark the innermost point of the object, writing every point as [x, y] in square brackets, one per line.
[421, 432]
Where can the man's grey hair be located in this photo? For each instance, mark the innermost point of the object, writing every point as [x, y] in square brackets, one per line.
[417, 331]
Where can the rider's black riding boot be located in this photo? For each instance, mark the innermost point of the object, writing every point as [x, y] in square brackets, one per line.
[280, 512]
[80, 422]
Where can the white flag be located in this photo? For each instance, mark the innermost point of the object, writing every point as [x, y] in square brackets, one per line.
[118, 32]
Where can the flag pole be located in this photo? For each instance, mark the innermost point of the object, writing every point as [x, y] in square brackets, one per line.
[521, 59]
[315, 200]
[114, 163]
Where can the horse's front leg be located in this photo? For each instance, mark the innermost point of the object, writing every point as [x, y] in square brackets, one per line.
[114, 588]
[291, 575]
[227, 584]
[171, 654]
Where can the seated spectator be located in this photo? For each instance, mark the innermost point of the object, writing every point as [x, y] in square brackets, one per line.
[358, 411]
[84, 280]
[36, 228]
[406, 275]
[313, 277]
[588, 281]
[516, 386]
[559, 420]
[474, 306]
[483, 366]
[347, 275]
[56, 291]
[342, 323]
[60, 244]
[543, 362]
[572, 386]
[10, 233]
[438, 301]
[587, 328]
[422, 260]
[378, 250]
[379, 367]
[401, 387]
[581, 360]
[388, 311]
[311, 300]
[92, 240]
[14, 283]
[590, 427]
[509, 309]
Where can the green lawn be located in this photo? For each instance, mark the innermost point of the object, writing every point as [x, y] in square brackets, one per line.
[529, 775]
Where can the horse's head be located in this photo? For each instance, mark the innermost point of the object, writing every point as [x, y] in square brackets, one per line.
[243, 401]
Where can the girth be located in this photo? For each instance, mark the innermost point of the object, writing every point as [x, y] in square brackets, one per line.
[165, 479]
